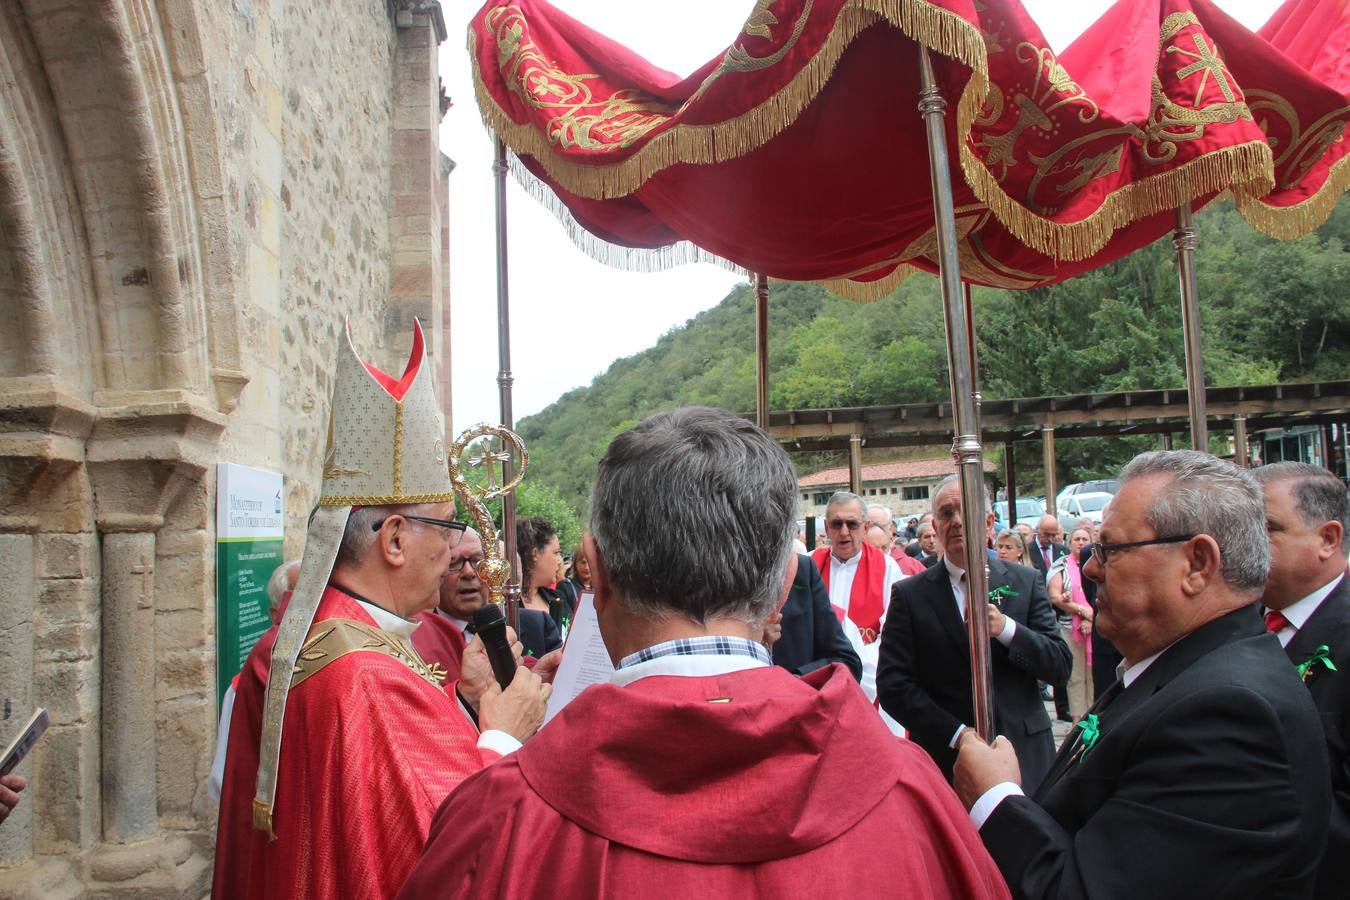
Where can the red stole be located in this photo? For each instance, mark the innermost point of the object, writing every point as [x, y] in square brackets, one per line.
[865, 601]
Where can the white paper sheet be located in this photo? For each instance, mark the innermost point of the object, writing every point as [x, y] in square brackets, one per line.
[585, 660]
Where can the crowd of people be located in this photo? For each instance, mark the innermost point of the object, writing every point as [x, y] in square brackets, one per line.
[782, 723]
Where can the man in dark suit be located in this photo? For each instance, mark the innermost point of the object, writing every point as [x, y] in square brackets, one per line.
[1047, 546]
[808, 634]
[923, 679]
[1307, 600]
[1202, 771]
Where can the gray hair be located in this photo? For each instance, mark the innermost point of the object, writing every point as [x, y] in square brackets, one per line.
[694, 512]
[360, 533]
[1208, 495]
[956, 479]
[924, 529]
[839, 498]
[1319, 496]
[280, 582]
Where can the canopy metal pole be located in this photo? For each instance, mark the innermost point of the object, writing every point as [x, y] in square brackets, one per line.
[505, 380]
[762, 351]
[1240, 453]
[1048, 462]
[855, 483]
[1184, 240]
[966, 447]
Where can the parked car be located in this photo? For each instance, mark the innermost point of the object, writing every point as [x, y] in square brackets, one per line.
[1029, 511]
[1100, 485]
[1086, 506]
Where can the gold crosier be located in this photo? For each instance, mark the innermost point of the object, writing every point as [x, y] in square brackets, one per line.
[493, 571]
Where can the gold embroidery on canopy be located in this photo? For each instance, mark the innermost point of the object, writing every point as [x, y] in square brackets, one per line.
[738, 59]
[1057, 81]
[1169, 122]
[581, 120]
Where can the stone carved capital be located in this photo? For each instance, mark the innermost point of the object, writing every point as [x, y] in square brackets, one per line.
[404, 10]
[142, 455]
[43, 428]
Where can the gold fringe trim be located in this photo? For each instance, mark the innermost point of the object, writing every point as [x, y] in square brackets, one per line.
[387, 499]
[943, 31]
[628, 259]
[262, 819]
[1289, 223]
[868, 291]
[398, 446]
[1249, 164]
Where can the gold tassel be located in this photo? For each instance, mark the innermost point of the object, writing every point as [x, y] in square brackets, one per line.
[262, 819]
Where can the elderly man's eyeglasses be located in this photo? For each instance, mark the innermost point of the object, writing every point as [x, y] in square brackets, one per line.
[850, 524]
[1103, 551]
[454, 530]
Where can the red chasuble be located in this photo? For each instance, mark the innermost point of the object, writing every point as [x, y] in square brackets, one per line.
[372, 748]
[440, 641]
[739, 785]
[866, 601]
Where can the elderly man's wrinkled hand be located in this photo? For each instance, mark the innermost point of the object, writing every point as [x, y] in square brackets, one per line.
[980, 766]
[475, 669]
[518, 710]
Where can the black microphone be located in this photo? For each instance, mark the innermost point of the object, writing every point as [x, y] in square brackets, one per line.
[490, 623]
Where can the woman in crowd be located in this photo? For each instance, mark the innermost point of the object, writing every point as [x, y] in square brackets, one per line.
[1012, 548]
[1068, 594]
[540, 556]
[579, 573]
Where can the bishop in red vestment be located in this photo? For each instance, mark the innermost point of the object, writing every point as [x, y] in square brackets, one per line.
[701, 770]
[342, 806]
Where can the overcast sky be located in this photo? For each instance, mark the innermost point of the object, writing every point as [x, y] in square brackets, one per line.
[571, 316]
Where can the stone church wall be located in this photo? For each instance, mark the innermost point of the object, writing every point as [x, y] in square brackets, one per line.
[194, 196]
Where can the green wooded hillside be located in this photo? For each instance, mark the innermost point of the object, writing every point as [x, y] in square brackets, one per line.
[1271, 311]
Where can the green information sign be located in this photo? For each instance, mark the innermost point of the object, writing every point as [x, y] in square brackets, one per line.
[249, 525]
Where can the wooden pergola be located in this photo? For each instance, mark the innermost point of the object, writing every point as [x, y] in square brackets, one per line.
[1162, 412]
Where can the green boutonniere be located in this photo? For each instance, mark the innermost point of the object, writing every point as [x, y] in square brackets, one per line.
[1321, 656]
[1088, 733]
[1000, 593]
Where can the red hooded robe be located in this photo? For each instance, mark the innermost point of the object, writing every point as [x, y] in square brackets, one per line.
[739, 785]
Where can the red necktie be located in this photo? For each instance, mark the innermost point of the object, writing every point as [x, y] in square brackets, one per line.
[1275, 621]
[1045, 553]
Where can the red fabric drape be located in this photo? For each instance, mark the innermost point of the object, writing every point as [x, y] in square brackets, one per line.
[799, 151]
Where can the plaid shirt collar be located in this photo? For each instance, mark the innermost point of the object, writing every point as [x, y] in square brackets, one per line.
[714, 654]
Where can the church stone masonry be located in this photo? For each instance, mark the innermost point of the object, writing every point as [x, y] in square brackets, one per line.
[193, 195]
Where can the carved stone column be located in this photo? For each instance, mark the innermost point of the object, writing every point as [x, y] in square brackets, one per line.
[141, 458]
[43, 512]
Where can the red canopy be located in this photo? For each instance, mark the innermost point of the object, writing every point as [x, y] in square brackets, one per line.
[799, 151]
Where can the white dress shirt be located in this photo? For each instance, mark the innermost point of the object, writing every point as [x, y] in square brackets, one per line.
[1298, 613]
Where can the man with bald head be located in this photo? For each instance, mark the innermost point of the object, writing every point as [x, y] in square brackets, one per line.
[1202, 772]
[1307, 603]
[1048, 545]
[924, 675]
